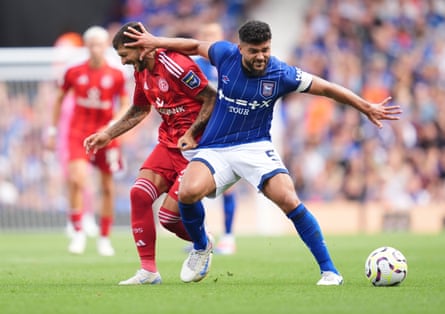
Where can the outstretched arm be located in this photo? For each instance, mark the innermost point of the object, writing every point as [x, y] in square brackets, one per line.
[207, 96]
[149, 42]
[374, 111]
[131, 118]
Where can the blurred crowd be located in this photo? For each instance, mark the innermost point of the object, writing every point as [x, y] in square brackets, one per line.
[183, 18]
[377, 48]
[32, 178]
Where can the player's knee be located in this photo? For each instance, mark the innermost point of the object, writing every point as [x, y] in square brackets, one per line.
[289, 202]
[143, 192]
[76, 183]
[286, 201]
[135, 193]
[107, 191]
[190, 194]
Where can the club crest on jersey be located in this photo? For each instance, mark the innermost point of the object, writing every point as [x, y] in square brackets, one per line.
[267, 89]
[191, 80]
[83, 80]
[107, 81]
[163, 85]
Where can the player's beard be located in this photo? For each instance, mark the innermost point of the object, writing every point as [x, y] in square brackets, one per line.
[249, 66]
[140, 65]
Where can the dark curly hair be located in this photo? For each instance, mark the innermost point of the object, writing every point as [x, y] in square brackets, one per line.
[254, 32]
[120, 39]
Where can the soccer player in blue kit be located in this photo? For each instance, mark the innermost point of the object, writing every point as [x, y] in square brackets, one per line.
[237, 143]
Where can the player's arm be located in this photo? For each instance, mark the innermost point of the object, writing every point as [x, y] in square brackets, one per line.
[134, 115]
[149, 42]
[208, 97]
[124, 99]
[124, 102]
[129, 120]
[51, 131]
[374, 111]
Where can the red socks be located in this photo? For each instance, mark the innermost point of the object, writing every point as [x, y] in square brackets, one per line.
[142, 195]
[105, 226]
[172, 222]
[76, 220]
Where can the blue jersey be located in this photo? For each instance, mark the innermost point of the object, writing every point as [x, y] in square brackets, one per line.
[244, 106]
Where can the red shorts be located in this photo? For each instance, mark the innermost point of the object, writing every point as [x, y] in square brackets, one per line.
[108, 159]
[169, 163]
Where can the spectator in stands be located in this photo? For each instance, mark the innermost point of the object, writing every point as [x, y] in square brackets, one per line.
[380, 48]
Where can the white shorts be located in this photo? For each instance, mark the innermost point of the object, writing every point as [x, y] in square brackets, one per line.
[254, 162]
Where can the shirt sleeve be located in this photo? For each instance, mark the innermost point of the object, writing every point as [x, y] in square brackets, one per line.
[64, 82]
[305, 80]
[192, 80]
[296, 79]
[219, 51]
[139, 98]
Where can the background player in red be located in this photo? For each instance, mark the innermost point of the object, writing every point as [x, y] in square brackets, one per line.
[174, 85]
[66, 49]
[95, 85]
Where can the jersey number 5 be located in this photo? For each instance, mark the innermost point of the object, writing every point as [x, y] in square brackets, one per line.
[271, 154]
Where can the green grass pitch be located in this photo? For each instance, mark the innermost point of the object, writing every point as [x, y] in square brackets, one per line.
[267, 275]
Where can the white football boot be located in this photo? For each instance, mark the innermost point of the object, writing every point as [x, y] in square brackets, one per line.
[197, 264]
[104, 247]
[89, 225]
[78, 243]
[329, 278]
[142, 277]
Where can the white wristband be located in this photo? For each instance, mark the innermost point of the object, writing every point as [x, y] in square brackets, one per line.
[51, 130]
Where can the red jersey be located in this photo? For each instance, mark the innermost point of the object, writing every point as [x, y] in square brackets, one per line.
[171, 88]
[95, 90]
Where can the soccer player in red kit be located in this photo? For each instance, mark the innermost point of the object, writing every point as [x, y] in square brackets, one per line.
[95, 85]
[174, 85]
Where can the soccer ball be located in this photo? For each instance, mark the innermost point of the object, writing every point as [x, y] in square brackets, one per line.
[386, 266]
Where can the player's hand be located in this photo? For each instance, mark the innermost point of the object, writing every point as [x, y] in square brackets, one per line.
[143, 39]
[186, 142]
[96, 141]
[381, 111]
[50, 138]
[50, 143]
